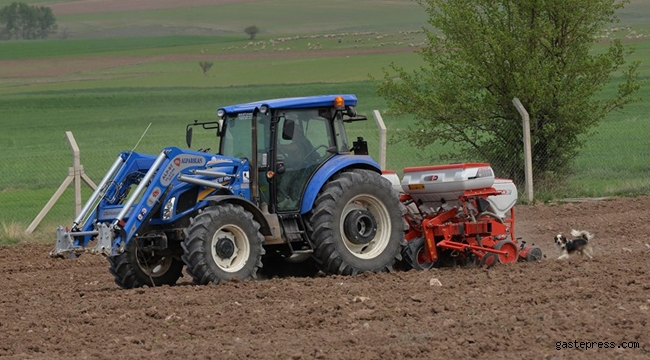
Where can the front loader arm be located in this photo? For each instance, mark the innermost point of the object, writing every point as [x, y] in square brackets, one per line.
[118, 213]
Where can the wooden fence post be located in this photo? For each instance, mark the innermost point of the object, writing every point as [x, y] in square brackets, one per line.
[75, 174]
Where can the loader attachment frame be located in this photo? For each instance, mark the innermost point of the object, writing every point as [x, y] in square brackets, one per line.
[115, 213]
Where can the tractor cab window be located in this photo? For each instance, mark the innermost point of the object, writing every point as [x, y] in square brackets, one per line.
[341, 138]
[308, 142]
[237, 142]
[301, 152]
[237, 138]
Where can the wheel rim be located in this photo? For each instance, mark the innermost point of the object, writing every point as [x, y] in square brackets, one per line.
[421, 259]
[511, 251]
[230, 248]
[360, 227]
[488, 260]
[370, 205]
[153, 265]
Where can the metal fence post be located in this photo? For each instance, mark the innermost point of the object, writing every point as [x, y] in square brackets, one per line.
[382, 138]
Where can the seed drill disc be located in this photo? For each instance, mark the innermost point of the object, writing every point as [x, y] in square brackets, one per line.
[534, 254]
[488, 260]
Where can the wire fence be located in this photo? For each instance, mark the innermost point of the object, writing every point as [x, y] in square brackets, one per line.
[613, 162]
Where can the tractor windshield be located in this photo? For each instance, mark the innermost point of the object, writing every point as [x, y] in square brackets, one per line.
[237, 138]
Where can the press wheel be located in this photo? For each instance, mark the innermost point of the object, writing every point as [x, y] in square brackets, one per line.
[488, 260]
[512, 252]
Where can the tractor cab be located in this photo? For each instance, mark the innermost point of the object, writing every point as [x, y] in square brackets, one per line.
[287, 141]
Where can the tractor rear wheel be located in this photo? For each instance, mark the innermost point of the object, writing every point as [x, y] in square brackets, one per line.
[136, 268]
[356, 224]
[223, 243]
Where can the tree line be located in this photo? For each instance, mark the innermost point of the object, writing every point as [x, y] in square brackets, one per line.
[21, 21]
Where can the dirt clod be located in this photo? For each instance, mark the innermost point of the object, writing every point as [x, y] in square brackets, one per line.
[61, 309]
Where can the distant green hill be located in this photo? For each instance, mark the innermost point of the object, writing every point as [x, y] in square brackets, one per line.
[275, 18]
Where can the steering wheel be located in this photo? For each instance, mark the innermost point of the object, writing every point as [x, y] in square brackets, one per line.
[310, 154]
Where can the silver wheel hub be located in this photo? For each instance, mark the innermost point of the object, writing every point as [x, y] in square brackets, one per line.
[368, 229]
[230, 248]
[153, 265]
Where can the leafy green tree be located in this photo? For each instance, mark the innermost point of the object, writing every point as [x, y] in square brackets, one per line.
[205, 66]
[483, 53]
[252, 31]
[22, 21]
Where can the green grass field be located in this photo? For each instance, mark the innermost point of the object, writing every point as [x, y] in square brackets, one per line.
[83, 84]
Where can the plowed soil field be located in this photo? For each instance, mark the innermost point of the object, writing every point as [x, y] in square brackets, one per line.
[60, 309]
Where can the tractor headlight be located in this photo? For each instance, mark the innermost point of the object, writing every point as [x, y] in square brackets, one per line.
[221, 113]
[168, 210]
[264, 109]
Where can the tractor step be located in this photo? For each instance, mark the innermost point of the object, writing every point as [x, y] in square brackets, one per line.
[294, 232]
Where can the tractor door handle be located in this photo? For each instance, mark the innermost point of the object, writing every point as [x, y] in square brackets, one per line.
[279, 167]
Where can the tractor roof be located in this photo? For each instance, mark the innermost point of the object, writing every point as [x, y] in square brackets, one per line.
[292, 103]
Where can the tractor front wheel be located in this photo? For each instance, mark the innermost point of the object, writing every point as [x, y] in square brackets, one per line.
[357, 224]
[137, 268]
[223, 243]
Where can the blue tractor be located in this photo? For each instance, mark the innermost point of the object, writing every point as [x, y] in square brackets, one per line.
[286, 188]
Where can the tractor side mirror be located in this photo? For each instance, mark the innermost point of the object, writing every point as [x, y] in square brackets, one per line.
[352, 112]
[188, 136]
[288, 129]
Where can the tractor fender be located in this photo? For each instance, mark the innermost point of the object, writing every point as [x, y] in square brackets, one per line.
[265, 229]
[334, 165]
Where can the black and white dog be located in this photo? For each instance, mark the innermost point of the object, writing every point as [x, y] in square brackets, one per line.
[580, 244]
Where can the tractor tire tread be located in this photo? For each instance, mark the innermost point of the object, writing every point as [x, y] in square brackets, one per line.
[194, 253]
[320, 222]
[123, 269]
